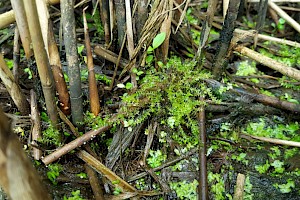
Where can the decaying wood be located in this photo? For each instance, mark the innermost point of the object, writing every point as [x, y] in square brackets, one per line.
[121, 141]
[151, 132]
[221, 58]
[239, 187]
[17, 175]
[161, 181]
[94, 181]
[36, 125]
[237, 93]
[13, 88]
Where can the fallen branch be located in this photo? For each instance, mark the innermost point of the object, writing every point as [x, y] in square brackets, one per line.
[110, 175]
[251, 33]
[109, 55]
[74, 144]
[94, 181]
[272, 140]
[264, 99]
[269, 62]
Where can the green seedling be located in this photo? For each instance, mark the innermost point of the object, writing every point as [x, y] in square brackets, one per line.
[280, 25]
[157, 41]
[53, 173]
[75, 196]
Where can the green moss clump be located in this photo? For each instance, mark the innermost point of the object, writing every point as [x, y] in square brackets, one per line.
[172, 95]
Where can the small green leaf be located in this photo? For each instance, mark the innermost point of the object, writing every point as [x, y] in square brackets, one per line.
[134, 70]
[9, 63]
[126, 124]
[158, 40]
[128, 86]
[281, 21]
[80, 49]
[150, 49]
[115, 182]
[177, 152]
[27, 70]
[149, 59]
[82, 175]
[160, 64]
[139, 73]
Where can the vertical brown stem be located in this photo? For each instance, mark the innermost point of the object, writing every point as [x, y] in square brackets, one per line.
[203, 188]
[16, 55]
[94, 96]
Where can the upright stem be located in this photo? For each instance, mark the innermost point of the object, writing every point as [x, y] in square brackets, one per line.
[68, 20]
[42, 61]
